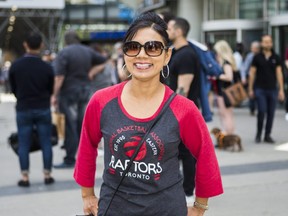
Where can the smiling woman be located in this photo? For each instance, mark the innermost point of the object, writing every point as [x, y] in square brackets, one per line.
[141, 168]
[149, 61]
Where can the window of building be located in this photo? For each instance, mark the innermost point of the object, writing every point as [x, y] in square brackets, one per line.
[283, 40]
[222, 9]
[272, 7]
[250, 9]
[283, 6]
[248, 36]
[229, 36]
[97, 2]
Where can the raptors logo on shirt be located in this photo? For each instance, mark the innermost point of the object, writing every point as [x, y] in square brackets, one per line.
[131, 146]
[147, 162]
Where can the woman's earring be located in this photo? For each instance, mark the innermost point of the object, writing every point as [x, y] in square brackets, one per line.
[168, 72]
[125, 71]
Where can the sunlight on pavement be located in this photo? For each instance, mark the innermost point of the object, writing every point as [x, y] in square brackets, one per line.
[7, 98]
[282, 147]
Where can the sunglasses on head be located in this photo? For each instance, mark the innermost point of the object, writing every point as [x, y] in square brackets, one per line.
[152, 48]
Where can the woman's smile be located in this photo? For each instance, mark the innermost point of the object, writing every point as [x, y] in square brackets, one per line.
[143, 66]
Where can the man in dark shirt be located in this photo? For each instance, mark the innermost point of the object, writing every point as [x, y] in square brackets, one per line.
[31, 81]
[72, 89]
[264, 74]
[184, 79]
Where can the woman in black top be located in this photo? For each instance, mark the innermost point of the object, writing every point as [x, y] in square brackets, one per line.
[226, 60]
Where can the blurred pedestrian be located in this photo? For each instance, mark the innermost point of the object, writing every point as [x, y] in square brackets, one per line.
[286, 82]
[238, 56]
[31, 81]
[254, 49]
[5, 76]
[122, 113]
[185, 80]
[212, 80]
[101, 78]
[119, 63]
[265, 74]
[226, 60]
[72, 90]
[48, 56]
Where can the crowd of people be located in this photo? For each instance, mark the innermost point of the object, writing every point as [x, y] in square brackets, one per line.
[115, 96]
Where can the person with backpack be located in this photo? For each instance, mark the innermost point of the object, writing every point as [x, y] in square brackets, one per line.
[185, 80]
[209, 67]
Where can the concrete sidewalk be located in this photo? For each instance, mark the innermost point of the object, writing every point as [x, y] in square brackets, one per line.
[255, 180]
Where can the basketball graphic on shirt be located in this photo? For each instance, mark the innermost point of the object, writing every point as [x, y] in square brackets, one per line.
[131, 146]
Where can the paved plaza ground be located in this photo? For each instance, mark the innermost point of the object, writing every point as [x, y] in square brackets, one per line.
[255, 180]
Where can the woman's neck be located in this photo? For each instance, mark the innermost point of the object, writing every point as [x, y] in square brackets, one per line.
[144, 90]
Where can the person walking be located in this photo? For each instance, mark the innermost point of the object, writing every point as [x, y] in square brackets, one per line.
[72, 89]
[185, 80]
[31, 81]
[101, 78]
[238, 57]
[122, 115]
[265, 74]
[254, 49]
[226, 60]
[286, 81]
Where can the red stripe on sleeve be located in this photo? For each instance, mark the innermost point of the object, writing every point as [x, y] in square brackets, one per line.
[195, 135]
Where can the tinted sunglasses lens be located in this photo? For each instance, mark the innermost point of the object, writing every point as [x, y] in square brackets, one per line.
[153, 48]
[131, 48]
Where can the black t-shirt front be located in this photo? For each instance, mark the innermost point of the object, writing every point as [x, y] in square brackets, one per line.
[185, 61]
[266, 70]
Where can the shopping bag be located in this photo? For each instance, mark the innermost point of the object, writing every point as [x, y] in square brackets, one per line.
[234, 95]
[58, 119]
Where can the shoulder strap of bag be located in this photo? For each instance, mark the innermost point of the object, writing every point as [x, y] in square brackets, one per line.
[153, 123]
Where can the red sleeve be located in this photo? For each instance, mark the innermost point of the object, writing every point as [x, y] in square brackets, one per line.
[195, 135]
[85, 167]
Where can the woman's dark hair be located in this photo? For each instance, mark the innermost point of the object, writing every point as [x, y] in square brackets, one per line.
[146, 20]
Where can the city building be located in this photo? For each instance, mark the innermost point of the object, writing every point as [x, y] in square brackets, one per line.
[94, 20]
[232, 20]
[106, 21]
[245, 21]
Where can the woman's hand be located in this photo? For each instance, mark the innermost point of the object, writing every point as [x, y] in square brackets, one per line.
[90, 205]
[251, 94]
[193, 211]
[281, 95]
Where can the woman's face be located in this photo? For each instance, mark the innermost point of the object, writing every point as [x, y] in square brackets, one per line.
[143, 66]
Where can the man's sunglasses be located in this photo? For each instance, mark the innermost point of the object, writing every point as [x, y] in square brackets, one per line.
[152, 48]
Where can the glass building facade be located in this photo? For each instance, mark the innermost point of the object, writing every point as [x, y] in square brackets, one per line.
[245, 21]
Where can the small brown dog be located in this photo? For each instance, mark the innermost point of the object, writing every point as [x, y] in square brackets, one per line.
[227, 141]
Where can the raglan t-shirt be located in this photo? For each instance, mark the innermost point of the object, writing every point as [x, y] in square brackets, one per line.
[154, 180]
